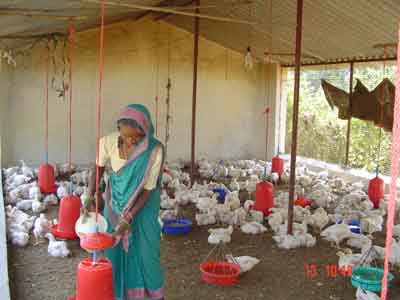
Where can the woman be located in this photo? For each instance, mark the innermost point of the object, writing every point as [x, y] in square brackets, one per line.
[132, 204]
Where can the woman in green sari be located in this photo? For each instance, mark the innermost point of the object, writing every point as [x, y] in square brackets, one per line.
[132, 204]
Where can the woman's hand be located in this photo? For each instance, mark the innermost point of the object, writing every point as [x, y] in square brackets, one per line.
[122, 228]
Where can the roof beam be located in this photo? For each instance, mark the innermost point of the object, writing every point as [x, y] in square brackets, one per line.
[166, 15]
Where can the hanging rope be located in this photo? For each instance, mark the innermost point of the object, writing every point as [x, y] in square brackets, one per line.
[394, 169]
[266, 112]
[71, 39]
[167, 134]
[101, 61]
[46, 103]
[157, 75]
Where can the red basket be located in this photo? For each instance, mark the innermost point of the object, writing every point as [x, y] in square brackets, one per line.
[219, 273]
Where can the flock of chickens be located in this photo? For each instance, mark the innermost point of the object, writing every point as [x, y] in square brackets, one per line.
[334, 202]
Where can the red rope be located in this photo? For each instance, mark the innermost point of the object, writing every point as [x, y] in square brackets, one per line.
[393, 176]
[156, 115]
[70, 57]
[101, 61]
[46, 104]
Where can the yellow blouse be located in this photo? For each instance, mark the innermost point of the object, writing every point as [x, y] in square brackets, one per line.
[109, 153]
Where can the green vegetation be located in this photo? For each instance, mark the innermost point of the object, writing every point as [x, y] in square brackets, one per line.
[321, 134]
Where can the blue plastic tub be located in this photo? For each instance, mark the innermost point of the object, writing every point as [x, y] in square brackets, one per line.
[221, 194]
[176, 227]
[369, 278]
[354, 226]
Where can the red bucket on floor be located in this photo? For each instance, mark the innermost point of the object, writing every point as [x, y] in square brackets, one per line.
[68, 214]
[219, 273]
[46, 181]
[94, 281]
[376, 191]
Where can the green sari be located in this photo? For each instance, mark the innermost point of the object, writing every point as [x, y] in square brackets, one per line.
[137, 271]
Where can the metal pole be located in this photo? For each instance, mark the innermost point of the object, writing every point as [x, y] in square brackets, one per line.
[350, 109]
[194, 99]
[295, 114]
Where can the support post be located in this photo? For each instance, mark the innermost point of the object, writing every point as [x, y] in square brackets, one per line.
[194, 99]
[293, 153]
[350, 108]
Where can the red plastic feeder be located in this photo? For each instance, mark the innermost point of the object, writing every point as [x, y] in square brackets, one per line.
[264, 197]
[219, 273]
[277, 165]
[68, 214]
[46, 180]
[94, 281]
[97, 242]
[302, 202]
[376, 191]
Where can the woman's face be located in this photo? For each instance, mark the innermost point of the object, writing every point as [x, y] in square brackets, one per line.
[130, 136]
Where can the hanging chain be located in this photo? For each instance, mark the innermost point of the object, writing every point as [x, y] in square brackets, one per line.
[168, 117]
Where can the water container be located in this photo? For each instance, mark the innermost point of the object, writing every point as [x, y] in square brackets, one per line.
[264, 197]
[46, 179]
[277, 165]
[68, 214]
[94, 281]
[221, 194]
[96, 242]
[376, 191]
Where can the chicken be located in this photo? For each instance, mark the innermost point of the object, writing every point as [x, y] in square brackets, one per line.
[360, 241]
[275, 220]
[206, 218]
[204, 204]
[19, 238]
[166, 201]
[34, 192]
[371, 224]
[246, 263]
[239, 216]
[24, 204]
[253, 228]
[26, 171]
[62, 190]
[319, 219]
[248, 204]
[17, 180]
[9, 172]
[166, 178]
[296, 240]
[37, 206]
[234, 185]
[220, 235]
[232, 200]
[366, 295]
[336, 233]
[57, 248]
[256, 216]
[347, 259]
[274, 178]
[41, 227]
[300, 213]
[50, 200]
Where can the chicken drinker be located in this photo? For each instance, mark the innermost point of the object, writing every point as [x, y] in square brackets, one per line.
[46, 180]
[277, 165]
[94, 280]
[90, 225]
[96, 242]
[68, 214]
[376, 191]
[264, 196]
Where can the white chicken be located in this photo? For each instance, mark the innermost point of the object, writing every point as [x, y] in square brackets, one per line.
[34, 192]
[204, 204]
[24, 204]
[234, 185]
[274, 178]
[336, 233]
[232, 200]
[246, 263]
[253, 228]
[248, 205]
[26, 171]
[239, 216]
[19, 238]
[62, 190]
[50, 200]
[220, 235]
[360, 241]
[275, 220]
[296, 240]
[38, 206]
[318, 220]
[57, 248]
[366, 295]
[208, 218]
[347, 259]
[256, 216]
[41, 227]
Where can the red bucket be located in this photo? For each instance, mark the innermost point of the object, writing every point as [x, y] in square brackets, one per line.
[219, 273]
[68, 214]
[376, 191]
[94, 281]
[46, 181]
[278, 165]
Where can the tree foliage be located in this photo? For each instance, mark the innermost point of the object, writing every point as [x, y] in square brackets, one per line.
[321, 135]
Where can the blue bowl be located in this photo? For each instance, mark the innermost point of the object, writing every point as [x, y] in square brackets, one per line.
[221, 194]
[369, 278]
[354, 226]
[176, 226]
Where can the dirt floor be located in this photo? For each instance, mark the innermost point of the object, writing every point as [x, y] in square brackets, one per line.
[281, 275]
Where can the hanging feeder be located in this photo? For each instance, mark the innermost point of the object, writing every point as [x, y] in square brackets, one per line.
[68, 214]
[376, 190]
[46, 179]
[278, 165]
[264, 196]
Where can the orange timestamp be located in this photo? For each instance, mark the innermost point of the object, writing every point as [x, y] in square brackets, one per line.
[330, 271]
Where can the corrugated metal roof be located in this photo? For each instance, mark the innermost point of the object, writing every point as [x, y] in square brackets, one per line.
[332, 30]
